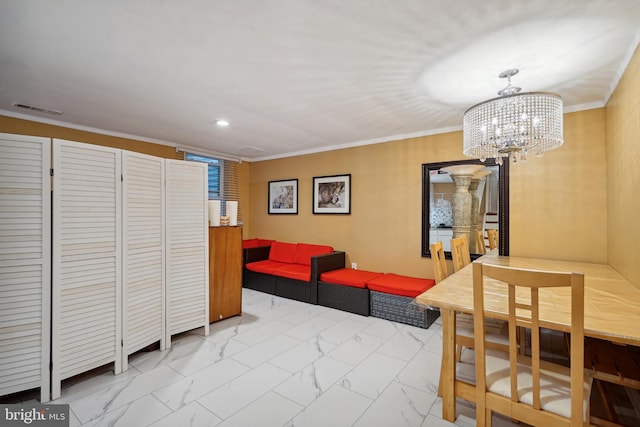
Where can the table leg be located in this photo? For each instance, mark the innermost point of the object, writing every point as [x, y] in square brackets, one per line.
[448, 370]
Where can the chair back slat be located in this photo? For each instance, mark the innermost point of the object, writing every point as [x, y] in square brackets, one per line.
[492, 236]
[481, 247]
[460, 252]
[439, 262]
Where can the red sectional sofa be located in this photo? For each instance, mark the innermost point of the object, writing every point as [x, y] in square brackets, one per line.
[387, 296]
[289, 270]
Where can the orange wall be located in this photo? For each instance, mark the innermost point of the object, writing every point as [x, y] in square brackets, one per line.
[243, 177]
[383, 231]
[558, 203]
[623, 174]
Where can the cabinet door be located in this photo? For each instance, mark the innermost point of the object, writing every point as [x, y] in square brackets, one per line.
[86, 309]
[25, 262]
[187, 249]
[142, 252]
[225, 272]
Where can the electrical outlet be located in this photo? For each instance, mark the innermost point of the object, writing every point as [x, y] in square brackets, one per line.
[354, 266]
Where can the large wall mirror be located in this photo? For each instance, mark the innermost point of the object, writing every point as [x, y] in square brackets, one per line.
[489, 186]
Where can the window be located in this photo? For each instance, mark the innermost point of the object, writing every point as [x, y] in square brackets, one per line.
[216, 174]
[223, 180]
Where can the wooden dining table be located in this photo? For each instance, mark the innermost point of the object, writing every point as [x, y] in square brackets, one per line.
[611, 310]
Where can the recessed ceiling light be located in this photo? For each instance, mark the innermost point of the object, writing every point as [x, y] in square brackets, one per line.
[222, 122]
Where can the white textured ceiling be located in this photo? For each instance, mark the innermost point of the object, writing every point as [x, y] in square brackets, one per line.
[299, 76]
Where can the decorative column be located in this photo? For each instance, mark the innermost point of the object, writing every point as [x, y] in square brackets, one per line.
[461, 200]
[475, 207]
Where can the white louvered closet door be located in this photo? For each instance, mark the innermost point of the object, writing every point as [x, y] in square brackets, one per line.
[142, 252]
[87, 275]
[25, 262]
[187, 251]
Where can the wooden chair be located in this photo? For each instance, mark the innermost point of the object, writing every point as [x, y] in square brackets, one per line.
[460, 252]
[480, 244]
[528, 389]
[496, 329]
[464, 321]
[493, 238]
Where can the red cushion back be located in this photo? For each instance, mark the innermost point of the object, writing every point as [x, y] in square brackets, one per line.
[283, 252]
[304, 252]
[250, 243]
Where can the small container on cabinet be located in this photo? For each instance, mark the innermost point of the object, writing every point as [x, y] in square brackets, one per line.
[225, 272]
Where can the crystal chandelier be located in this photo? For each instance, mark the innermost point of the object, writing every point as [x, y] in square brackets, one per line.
[513, 125]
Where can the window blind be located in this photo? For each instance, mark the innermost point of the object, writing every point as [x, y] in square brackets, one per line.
[224, 182]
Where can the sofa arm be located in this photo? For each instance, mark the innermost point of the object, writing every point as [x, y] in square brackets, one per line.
[321, 264]
[258, 253]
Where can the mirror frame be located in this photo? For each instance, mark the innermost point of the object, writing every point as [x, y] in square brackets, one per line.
[503, 204]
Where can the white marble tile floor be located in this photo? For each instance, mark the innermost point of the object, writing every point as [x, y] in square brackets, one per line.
[282, 363]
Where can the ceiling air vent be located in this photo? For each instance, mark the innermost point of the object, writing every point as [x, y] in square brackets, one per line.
[38, 109]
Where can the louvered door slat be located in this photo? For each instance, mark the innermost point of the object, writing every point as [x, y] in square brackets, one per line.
[187, 246]
[25, 262]
[86, 259]
[143, 252]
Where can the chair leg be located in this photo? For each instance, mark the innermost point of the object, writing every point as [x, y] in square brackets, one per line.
[608, 406]
[483, 417]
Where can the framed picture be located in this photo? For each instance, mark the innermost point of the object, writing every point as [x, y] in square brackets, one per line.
[332, 194]
[283, 197]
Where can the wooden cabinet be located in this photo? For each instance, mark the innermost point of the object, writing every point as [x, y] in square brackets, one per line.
[225, 272]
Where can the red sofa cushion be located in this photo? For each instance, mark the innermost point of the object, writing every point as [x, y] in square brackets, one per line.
[349, 277]
[305, 251]
[283, 252]
[266, 266]
[265, 242]
[294, 271]
[400, 285]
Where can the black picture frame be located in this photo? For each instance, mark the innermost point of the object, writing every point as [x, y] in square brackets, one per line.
[283, 197]
[332, 194]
